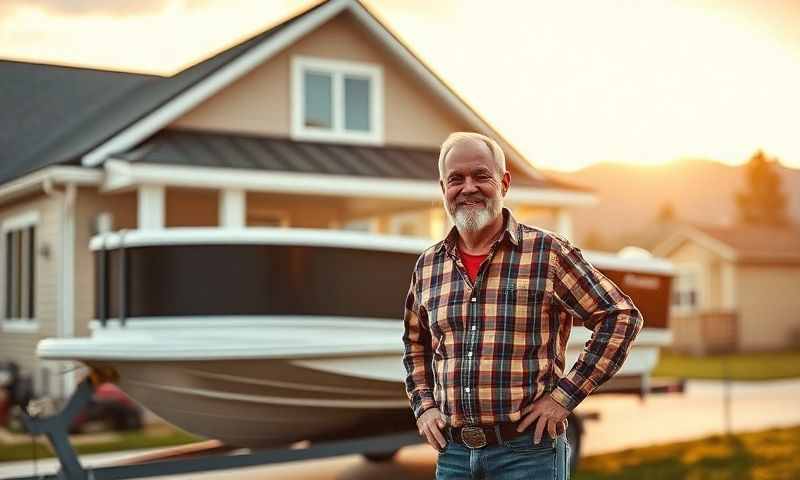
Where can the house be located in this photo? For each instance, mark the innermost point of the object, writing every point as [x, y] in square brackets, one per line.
[325, 120]
[734, 286]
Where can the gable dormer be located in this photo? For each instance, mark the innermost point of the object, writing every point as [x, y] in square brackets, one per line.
[335, 84]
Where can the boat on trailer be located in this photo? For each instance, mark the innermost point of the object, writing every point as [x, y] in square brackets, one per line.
[261, 337]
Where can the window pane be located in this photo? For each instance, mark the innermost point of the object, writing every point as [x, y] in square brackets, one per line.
[32, 272]
[15, 310]
[9, 273]
[676, 298]
[318, 100]
[356, 104]
[23, 273]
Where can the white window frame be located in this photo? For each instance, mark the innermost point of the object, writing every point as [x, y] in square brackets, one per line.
[338, 70]
[696, 271]
[18, 222]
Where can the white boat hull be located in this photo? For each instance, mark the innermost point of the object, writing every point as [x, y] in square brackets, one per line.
[273, 381]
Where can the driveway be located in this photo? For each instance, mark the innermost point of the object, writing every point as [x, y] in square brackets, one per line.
[625, 422]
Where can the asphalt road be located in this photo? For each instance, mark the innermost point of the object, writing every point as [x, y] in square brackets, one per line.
[625, 422]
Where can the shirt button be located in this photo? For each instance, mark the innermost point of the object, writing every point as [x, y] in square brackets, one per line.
[473, 327]
[466, 389]
[473, 299]
[469, 354]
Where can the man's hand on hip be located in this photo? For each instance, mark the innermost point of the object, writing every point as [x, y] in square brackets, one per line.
[430, 424]
[550, 415]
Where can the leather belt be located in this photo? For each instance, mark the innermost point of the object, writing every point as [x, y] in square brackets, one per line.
[477, 436]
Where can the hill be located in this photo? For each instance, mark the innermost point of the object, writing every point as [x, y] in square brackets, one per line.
[630, 196]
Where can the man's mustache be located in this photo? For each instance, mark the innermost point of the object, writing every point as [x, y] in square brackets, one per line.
[477, 198]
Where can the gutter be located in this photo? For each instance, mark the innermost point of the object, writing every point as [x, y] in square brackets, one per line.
[37, 181]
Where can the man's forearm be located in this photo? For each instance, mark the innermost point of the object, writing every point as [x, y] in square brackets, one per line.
[602, 357]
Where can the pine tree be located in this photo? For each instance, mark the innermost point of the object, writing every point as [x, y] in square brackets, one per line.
[762, 202]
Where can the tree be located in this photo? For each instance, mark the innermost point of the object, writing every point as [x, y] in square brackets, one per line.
[762, 202]
[666, 213]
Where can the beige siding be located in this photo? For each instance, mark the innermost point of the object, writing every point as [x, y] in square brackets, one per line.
[90, 203]
[260, 102]
[188, 207]
[300, 211]
[691, 254]
[769, 308]
[686, 327]
[18, 346]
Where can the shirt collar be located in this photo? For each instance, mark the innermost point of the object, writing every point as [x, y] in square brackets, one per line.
[511, 229]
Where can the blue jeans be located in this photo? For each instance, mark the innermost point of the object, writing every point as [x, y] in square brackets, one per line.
[515, 459]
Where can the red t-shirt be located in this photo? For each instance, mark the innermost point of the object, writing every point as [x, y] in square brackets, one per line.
[472, 263]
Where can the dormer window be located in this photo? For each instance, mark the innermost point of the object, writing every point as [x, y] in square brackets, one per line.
[335, 100]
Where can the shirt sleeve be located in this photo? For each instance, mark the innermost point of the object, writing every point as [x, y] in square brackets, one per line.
[417, 354]
[609, 313]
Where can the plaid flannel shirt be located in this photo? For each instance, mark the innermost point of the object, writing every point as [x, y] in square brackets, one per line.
[484, 353]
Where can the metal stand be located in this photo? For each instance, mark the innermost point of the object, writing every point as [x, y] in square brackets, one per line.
[57, 426]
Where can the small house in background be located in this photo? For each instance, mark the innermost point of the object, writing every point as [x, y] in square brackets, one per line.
[326, 120]
[736, 288]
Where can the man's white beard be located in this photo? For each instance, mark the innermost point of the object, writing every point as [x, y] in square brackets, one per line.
[472, 219]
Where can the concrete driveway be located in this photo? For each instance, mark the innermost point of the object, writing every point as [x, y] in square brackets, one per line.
[625, 422]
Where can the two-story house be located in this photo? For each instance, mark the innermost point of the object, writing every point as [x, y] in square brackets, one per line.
[326, 120]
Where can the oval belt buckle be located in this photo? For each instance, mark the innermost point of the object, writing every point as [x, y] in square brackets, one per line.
[473, 437]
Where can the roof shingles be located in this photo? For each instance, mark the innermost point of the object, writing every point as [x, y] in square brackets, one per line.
[227, 150]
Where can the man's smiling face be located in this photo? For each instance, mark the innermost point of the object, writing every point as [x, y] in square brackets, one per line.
[472, 186]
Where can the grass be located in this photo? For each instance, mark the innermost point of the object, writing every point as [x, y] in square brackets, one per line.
[741, 366]
[769, 454]
[149, 438]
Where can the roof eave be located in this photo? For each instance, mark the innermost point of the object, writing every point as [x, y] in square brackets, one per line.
[240, 66]
[36, 181]
[123, 175]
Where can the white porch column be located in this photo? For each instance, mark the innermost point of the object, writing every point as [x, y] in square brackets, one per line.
[232, 208]
[151, 207]
[564, 223]
[728, 273]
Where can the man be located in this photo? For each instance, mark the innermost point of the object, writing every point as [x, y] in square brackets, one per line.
[487, 318]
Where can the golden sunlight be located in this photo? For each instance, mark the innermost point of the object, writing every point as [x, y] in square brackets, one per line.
[569, 83]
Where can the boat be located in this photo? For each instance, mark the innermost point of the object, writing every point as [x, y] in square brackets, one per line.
[262, 337]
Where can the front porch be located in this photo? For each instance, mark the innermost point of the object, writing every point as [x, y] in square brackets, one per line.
[157, 206]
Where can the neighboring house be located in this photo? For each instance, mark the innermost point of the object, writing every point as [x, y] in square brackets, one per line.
[325, 121]
[736, 288]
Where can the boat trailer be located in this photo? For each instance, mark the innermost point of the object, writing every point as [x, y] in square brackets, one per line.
[56, 427]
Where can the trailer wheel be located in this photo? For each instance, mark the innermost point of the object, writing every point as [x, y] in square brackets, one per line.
[380, 457]
[574, 431]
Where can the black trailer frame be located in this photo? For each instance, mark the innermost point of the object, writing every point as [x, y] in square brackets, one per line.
[55, 427]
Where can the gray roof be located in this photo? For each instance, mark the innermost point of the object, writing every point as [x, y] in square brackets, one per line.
[216, 149]
[43, 106]
[55, 114]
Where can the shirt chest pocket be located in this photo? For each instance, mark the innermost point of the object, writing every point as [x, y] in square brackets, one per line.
[446, 316]
[522, 309]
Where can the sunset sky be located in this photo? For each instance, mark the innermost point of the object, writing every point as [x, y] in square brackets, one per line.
[569, 83]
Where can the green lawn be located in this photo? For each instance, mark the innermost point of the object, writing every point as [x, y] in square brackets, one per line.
[151, 438]
[742, 366]
[771, 454]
